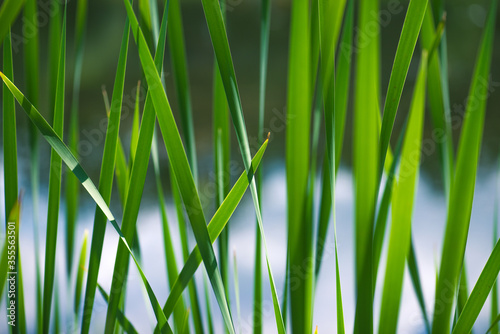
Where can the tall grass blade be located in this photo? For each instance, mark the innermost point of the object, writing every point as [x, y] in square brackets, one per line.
[54, 185]
[210, 324]
[216, 27]
[462, 190]
[408, 40]
[80, 273]
[237, 290]
[215, 227]
[417, 285]
[494, 290]
[122, 320]
[72, 184]
[365, 163]
[402, 206]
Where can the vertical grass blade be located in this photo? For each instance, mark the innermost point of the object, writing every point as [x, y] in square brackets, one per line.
[494, 290]
[462, 190]
[237, 291]
[122, 319]
[54, 185]
[80, 272]
[404, 53]
[72, 184]
[8, 13]
[365, 163]
[402, 206]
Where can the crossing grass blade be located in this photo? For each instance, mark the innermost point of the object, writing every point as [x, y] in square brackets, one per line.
[181, 80]
[210, 324]
[136, 186]
[80, 273]
[64, 152]
[365, 164]
[215, 227]
[462, 190]
[105, 180]
[216, 27]
[122, 319]
[479, 293]
[180, 166]
[8, 14]
[171, 264]
[408, 40]
[402, 206]
[54, 185]
[72, 184]
[32, 65]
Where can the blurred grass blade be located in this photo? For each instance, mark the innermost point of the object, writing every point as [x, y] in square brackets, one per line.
[417, 285]
[404, 53]
[365, 162]
[180, 166]
[216, 225]
[480, 293]
[402, 206]
[237, 291]
[55, 142]
[462, 190]
[216, 27]
[122, 320]
[8, 13]
[80, 272]
[54, 185]
[494, 290]
[72, 184]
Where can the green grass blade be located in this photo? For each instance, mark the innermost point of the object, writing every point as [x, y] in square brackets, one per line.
[436, 102]
[365, 163]
[54, 185]
[54, 41]
[122, 320]
[134, 136]
[80, 273]
[72, 184]
[180, 165]
[297, 166]
[402, 207]
[462, 190]
[216, 27]
[8, 13]
[210, 324]
[32, 65]
[494, 290]
[417, 286]
[215, 227]
[237, 290]
[404, 53]
[479, 293]
[181, 80]
[494, 323]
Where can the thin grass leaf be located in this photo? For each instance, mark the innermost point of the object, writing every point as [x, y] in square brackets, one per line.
[479, 293]
[54, 184]
[8, 13]
[53, 52]
[134, 136]
[417, 285]
[56, 143]
[402, 206]
[494, 290]
[32, 66]
[365, 163]
[210, 324]
[408, 40]
[462, 190]
[180, 165]
[216, 225]
[216, 27]
[237, 290]
[122, 319]
[80, 273]
[72, 184]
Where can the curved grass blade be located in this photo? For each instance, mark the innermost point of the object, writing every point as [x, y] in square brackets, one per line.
[402, 207]
[72, 184]
[462, 191]
[55, 142]
[216, 225]
[216, 27]
[8, 13]
[180, 166]
[408, 40]
[480, 293]
[54, 185]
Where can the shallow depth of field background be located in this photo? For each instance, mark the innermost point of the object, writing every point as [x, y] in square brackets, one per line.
[106, 21]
